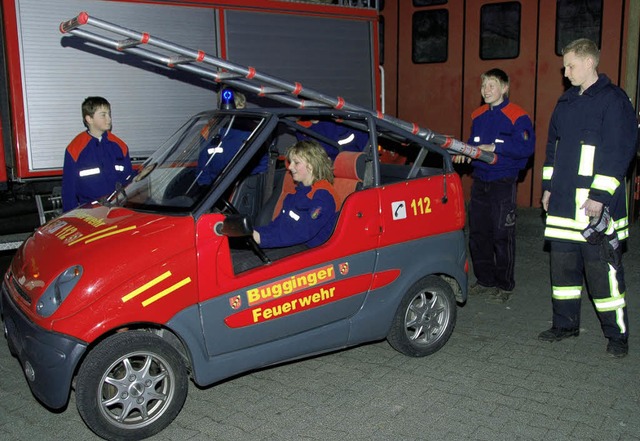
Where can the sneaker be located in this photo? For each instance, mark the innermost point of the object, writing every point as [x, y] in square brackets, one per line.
[480, 290]
[617, 348]
[501, 296]
[557, 334]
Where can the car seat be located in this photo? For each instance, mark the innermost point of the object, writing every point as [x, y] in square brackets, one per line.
[348, 172]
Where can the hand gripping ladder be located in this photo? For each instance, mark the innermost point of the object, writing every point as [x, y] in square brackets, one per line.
[243, 77]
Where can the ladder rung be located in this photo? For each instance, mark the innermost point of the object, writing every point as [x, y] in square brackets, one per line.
[228, 76]
[129, 42]
[180, 59]
[309, 104]
[266, 90]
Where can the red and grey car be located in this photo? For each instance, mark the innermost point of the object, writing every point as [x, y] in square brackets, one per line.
[125, 299]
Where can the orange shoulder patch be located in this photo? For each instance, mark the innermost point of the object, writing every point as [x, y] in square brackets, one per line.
[513, 112]
[121, 143]
[325, 185]
[77, 145]
[479, 111]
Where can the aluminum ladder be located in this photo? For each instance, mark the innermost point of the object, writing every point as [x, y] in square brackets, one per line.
[244, 78]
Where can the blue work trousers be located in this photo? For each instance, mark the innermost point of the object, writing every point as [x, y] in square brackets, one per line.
[492, 229]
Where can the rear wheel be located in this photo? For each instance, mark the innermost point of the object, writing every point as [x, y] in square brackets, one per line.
[131, 386]
[425, 318]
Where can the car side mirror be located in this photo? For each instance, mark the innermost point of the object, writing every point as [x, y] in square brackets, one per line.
[234, 225]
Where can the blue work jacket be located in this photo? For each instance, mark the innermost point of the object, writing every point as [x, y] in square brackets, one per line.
[509, 127]
[92, 167]
[307, 216]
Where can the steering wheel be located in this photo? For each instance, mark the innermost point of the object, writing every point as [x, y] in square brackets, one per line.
[223, 206]
[228, 206]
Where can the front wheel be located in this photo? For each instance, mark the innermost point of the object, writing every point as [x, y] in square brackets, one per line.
[425, 318]
[131, 386]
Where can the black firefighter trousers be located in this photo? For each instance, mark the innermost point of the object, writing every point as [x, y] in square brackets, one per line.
[573, 263]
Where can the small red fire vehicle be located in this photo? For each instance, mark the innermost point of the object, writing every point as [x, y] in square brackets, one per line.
[127, 298]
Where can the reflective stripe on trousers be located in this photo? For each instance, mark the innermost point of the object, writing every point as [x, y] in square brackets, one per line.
[573, 263]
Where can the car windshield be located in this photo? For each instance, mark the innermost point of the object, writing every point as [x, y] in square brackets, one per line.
[183, 170]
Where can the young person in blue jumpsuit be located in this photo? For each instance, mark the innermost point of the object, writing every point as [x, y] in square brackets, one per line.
[349, 139]
[308, 215]
[95, 160]
[504, 128]
[592, 140]
[220, 151]
[224, 146]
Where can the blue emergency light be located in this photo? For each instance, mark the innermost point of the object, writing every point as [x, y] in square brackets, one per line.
[227, 100]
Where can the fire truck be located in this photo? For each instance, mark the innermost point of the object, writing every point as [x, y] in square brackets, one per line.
[330, 45]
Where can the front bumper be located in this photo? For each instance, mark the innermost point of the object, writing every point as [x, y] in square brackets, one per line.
[48, 359]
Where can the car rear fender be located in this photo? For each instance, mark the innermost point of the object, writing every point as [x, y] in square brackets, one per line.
[443, 255]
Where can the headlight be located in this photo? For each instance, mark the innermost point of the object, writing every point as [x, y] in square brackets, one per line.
[58, 290]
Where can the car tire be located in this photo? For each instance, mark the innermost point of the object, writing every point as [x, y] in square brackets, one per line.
[425, 318]
[131, 386]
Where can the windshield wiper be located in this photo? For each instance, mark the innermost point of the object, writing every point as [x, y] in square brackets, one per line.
[116, 195]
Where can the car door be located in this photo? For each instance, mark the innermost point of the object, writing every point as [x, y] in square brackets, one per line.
[309, 293]
[313, 292]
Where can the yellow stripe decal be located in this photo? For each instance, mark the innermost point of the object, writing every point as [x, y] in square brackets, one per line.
[167, 291]
[146, 286]
[92, 234]
[133, 227]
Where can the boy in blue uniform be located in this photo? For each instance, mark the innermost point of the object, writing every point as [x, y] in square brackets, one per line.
[308, 215]
[504, 128]
[95, 160]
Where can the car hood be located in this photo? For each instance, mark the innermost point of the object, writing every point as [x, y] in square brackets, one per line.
[110, 244]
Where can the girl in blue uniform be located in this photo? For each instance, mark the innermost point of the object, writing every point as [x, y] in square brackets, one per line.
[309, 214]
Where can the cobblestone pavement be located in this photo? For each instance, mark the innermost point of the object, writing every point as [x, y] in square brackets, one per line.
[492, 381]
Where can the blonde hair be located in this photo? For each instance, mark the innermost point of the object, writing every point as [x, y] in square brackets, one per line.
[499, 75]
[239, 100]
[315, 155]
[583, 47]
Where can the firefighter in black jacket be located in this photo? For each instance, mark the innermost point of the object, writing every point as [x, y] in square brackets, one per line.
[592, 140]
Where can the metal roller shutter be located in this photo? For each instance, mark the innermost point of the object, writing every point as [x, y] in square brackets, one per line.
[331, 55]
[148, 103]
